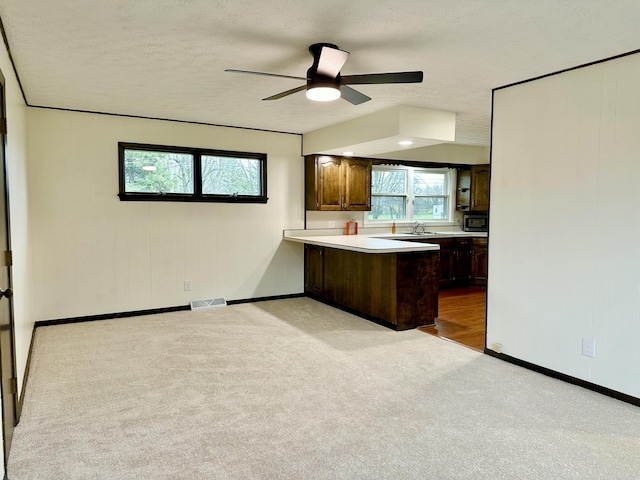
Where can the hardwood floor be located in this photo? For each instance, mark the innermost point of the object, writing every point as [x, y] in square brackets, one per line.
[461, 316]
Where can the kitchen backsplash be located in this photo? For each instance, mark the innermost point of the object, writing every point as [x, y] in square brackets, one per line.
[316, 220]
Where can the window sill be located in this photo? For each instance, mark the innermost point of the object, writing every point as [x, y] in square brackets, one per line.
[177, 197]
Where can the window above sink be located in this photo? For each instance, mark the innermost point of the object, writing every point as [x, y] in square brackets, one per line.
[406, 194]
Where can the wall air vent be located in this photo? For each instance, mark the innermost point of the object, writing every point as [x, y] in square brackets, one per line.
[208, 303]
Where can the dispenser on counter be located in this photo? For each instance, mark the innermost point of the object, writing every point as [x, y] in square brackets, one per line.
[351, 228]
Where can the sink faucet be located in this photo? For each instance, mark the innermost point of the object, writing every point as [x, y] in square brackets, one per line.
[418, 227]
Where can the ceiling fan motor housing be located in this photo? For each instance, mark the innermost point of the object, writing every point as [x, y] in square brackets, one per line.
[315, 80]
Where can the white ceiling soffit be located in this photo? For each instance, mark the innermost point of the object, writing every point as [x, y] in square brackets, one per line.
[382, 131]
[441, 153]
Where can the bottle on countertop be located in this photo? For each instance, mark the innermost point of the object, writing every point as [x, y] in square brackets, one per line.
[393, 227]
[351, 228]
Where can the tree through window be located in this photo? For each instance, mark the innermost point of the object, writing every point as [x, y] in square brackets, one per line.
[153, 172]
[409, 193]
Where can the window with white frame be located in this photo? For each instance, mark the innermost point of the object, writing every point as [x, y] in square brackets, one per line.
[403, 193]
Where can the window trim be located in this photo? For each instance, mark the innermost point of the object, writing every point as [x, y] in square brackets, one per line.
[410, 196]
[197, 195]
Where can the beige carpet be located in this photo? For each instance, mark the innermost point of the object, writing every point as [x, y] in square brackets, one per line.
[293, 389]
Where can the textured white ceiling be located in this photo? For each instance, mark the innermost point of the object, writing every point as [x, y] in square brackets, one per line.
[166, 58]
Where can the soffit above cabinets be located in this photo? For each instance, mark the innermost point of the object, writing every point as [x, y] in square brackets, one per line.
[450, 153]
[383, 131]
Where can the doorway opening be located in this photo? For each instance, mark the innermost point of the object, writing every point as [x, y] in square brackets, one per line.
[461, 316]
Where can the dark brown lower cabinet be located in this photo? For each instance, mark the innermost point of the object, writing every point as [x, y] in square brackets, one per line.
[447, 261]
[479, 261]
[463, 262]
[398, 289]
[455, 260]
[313, 260]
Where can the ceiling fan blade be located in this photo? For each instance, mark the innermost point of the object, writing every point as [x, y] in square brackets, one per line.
[263, 73]
[353, 96]
[331, 61]
[373, 78]
[284, 94]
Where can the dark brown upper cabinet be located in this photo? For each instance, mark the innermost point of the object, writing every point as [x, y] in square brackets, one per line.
[479, 188]
[336, 183]
[463, 192]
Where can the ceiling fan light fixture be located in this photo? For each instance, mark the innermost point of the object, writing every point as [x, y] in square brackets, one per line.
[323, 93]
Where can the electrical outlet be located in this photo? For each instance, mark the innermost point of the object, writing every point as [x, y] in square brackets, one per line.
[331, 224]
[589, 347]
[187, 285]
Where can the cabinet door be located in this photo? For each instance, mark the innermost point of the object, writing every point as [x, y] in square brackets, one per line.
[357, 184]
[330, 183]
[447, 261]
[314, 269]
[463, 262]
[480, 188]
[479, 261]
[463, 192]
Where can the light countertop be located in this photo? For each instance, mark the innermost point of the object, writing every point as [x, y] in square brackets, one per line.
[363, 243]
[374, 242]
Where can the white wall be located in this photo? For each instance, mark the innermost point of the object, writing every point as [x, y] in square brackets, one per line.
[16, 159]
[564, 250]
[95, 254]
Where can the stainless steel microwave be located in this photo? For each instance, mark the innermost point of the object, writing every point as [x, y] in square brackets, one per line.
[475, 222]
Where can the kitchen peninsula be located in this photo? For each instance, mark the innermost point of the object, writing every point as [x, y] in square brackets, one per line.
[389, 281]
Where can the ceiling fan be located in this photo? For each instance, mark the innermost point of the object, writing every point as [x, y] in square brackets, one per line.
[324, 82]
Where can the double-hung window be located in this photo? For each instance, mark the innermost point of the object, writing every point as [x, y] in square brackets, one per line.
[404, 193]
[155, 172]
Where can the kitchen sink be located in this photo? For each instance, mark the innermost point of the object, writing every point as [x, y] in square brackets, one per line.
[407, 236]
[410, 235]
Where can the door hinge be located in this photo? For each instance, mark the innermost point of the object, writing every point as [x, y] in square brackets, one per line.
[8, 258]
[3, 126]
